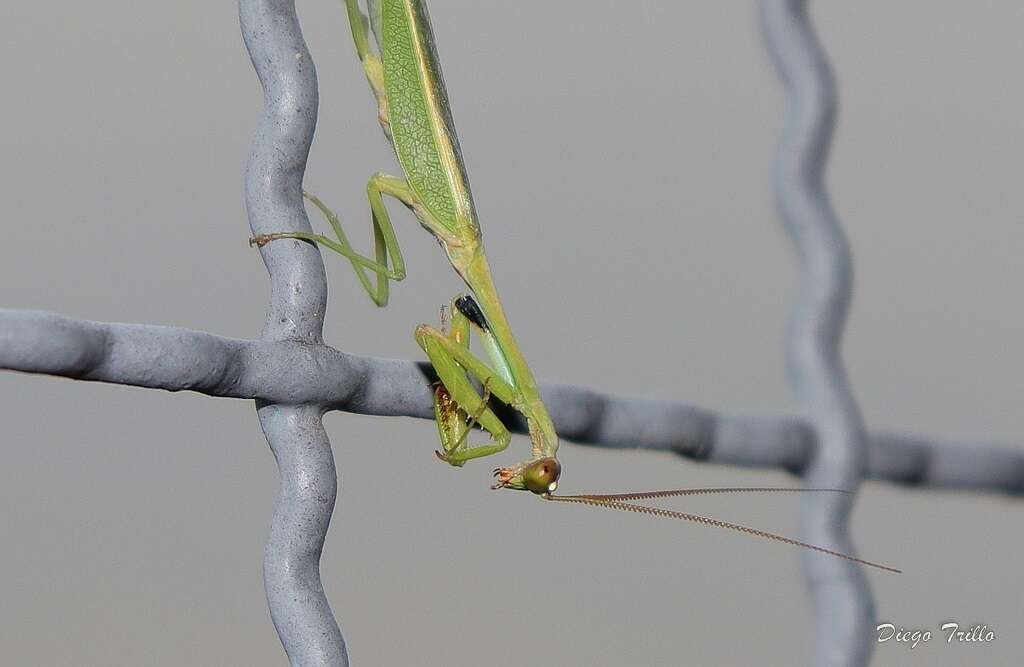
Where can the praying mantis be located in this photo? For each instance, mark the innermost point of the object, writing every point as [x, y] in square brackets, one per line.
[412, 108]
[413, 111]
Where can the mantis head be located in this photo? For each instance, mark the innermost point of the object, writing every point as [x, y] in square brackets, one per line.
[539, 476]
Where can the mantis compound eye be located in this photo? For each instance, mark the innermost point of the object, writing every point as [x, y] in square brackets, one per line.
[541, 476]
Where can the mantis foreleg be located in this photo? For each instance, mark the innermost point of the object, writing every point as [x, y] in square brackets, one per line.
[457, 404]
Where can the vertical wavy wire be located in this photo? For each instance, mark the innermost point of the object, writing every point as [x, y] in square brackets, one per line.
[298, 300]
[841, 597]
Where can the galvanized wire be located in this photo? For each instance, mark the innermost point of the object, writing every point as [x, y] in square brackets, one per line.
[298, 301]
[843, 605]
[299, 373]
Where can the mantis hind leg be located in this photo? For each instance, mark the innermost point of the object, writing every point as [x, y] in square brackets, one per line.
[385, 243]
[372, 65]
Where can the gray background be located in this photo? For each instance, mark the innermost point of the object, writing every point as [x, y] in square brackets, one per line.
[620, 158]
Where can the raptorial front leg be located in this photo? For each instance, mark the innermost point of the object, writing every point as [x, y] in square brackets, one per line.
[457, 395]
[453, 424]
[457, 404]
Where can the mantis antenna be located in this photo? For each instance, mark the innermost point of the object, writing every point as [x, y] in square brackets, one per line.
[616, 501]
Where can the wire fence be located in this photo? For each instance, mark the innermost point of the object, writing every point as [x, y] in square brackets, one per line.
[295, 378]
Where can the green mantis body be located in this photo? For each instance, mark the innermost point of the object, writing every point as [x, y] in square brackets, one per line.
[413, 110]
